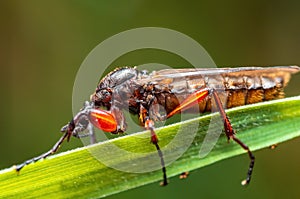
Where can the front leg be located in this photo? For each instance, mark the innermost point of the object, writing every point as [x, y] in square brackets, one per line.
[79, 131]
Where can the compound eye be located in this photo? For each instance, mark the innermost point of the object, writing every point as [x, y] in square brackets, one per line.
[103, 120]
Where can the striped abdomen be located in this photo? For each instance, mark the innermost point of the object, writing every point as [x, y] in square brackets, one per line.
[249, 90]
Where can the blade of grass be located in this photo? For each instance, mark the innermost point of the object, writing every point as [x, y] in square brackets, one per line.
[77, 173]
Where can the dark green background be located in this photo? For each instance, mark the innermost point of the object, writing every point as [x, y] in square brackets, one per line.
[43, 44]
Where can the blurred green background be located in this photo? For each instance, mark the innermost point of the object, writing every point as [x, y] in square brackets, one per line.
[43, 44]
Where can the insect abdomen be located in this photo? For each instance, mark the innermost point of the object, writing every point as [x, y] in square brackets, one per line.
[250, 90]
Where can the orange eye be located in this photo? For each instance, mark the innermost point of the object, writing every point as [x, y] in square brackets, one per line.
[103, 120]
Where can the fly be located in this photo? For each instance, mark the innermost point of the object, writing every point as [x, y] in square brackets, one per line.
[174, 90]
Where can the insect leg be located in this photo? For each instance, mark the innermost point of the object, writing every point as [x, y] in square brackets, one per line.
[190, 100]
[71, 129]
[92, 134]
[193, 98]
[44, 155]
[231, 135]
[149, 125]
[68, 132]
[120, 119]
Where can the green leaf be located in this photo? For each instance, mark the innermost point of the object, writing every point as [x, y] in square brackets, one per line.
[77, 173]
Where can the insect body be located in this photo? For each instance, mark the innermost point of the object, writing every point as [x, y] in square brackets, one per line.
[174, 90]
